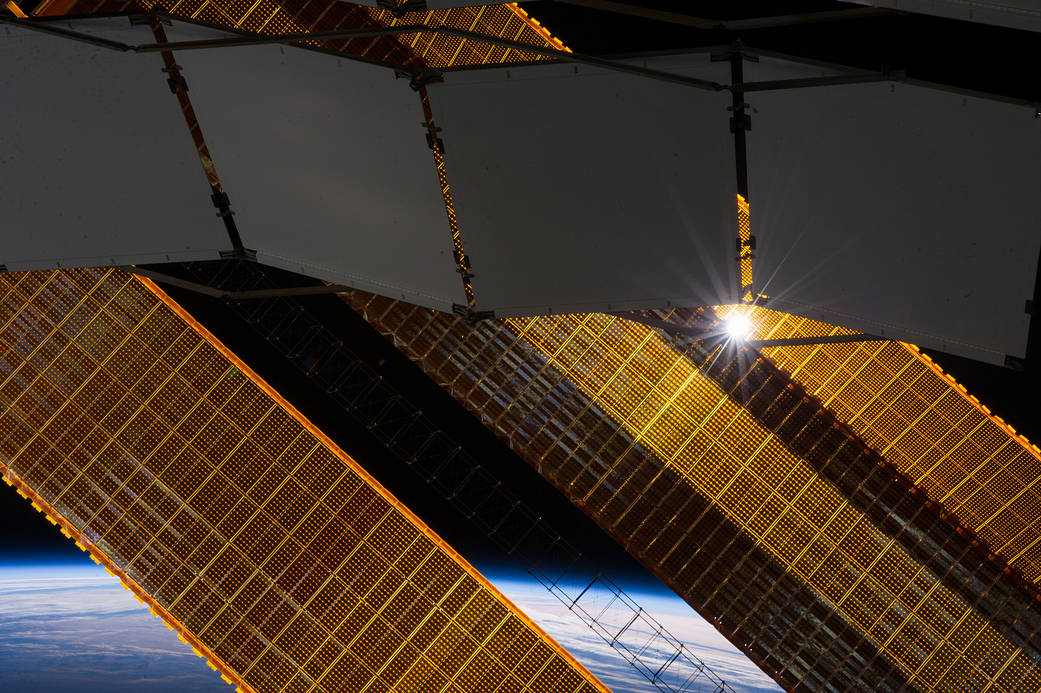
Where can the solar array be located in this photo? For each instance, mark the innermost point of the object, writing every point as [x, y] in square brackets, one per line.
[248, 531]
[553, 238]
[812, 552]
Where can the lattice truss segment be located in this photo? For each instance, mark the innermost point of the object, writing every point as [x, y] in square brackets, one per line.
[811, 552]
[266, 547]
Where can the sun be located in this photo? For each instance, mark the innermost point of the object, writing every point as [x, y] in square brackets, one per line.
[737, 326]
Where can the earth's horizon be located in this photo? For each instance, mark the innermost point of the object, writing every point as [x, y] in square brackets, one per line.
[65, 626]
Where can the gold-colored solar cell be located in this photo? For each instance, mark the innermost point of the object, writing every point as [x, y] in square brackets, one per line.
[744, 236]
[502, 21]
[859, 568]
[943, 438]
[149, 463]
[908, 609]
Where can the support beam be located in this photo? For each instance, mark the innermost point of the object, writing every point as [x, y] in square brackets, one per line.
[740, 123]
[179, 87]
[308, 37]
[206, 290]
[316, 290]
[856, 76]
[161, 278]
[48, 28]
[807, 341]
[808, 18]
[563, 56]
[672, 328]
[829, 81]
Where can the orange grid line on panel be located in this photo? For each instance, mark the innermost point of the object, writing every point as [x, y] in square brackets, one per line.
[296, 16]
[502, 21]
[929, 427]
[95, 364]
[681, 390]
[744, 259]
[15, 9]
[537, 26]
[84, 544]
[985, 410]
[269, 17]
[368, 478]
[627, 387]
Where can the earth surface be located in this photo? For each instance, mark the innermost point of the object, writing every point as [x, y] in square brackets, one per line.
[74, 628]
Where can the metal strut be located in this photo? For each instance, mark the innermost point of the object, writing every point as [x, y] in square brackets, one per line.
[462, 262]
[307, 37]
[681, 19]
[301, 40]
[179, 87]
[806, 341]
[740, 123]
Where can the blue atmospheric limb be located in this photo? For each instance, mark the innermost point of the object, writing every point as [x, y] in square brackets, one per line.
[726, 661]
[66, 626]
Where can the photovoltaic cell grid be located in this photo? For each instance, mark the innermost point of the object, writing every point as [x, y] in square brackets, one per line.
[296, 16]
[796, 515]
[262, 543]
[919, 419]
[1015, 488]
[690, 545]
[264, 16]
[502, 21]
[744, 260]
[364, 395]
[706, 445]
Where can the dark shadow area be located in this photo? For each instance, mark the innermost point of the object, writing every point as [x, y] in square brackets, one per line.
[966, 55]
[28, 537]
[361, 391]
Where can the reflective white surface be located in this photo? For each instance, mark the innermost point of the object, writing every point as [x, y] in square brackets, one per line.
[96, 164]
[899, 210]
[582, 189]
[327, 167]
